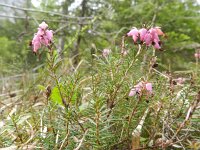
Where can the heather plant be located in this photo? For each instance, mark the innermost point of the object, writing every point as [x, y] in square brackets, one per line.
[118, 100]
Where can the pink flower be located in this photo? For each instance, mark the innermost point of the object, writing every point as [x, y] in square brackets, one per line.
[142, 33]
[156, 45]
[43, 25]
[136, 89]
[159, 31]
[46, 39]
[154, 35]
[148, 39]
[40, 31]
[42, 37]
[149, 87]
[36, 43]
[140, 87]
[49, 35]
[134, 33]
[106, 52]
[197, 55]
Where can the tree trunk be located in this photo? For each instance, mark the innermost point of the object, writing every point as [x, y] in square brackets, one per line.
[76, 52]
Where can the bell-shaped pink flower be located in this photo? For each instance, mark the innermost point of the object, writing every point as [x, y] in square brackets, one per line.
[149, 87]
[159, 31]
[43, 25]
[140, 87]
[142, 33]
[156, 45]
[154, 35]
[148, 39]
[136, 89]
[134, 33]
[49, 34]
[40, 31]
[44, 40]
[36, 43]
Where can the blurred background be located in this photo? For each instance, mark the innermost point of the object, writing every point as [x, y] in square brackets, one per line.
[84, 27]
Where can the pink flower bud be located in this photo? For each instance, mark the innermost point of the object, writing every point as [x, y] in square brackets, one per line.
[40, 31]
[149, 87]
[106, 52]
[136, 89]
[43, 25]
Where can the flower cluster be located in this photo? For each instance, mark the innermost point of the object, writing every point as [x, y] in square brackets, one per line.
[42, 37]
[147, 36]
[140, 88]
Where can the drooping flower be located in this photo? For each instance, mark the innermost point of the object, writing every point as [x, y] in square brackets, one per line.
[136, 89]
[49, 34]
[42, 37]
[142, 33]
[149, 37]
[134, 33]
[36, 43]
[157, 45]
[43, 26]
[141, 87]
[154, 35]
[40, 31]
[149, 87]
[159, 31]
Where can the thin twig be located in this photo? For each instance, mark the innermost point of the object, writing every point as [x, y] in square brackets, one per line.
[79, 145]
[64, 141]
[42, 11]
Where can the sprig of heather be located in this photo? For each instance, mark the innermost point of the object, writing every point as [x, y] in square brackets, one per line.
[43, 37]
[149, 37]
